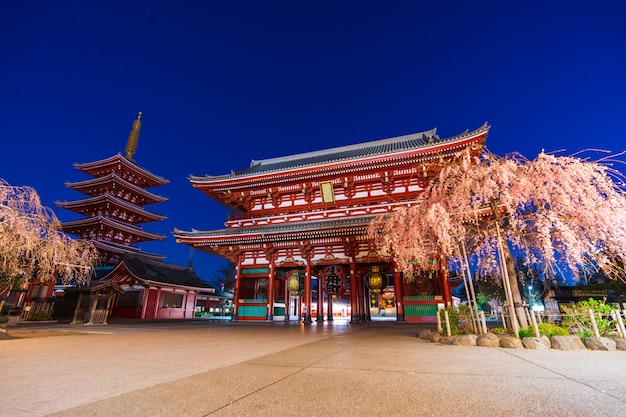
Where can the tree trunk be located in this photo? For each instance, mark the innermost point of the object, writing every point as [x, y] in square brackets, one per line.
[517, 296]
[510, 268]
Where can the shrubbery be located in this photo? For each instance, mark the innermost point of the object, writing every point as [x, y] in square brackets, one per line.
[577, 320]
[460, 320]
[40, 315]
[545, 329]
[549, 329]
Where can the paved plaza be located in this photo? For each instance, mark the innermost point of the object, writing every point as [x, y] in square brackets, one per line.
[201, 368]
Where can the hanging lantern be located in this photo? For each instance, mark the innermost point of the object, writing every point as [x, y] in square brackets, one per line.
[333, 276]
[293, 283]
[375, 280]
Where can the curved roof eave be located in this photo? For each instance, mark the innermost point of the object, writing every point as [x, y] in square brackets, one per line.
[276, 229]
[390, 146]
[81, 166]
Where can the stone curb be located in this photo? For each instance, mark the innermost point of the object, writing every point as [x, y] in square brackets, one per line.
[571, 342]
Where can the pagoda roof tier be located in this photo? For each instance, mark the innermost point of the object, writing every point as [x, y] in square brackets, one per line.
[346, 226]
[384, 153]
[108, 205]
[116, 185]
[116, 248]
[82, 228]
[124, 168]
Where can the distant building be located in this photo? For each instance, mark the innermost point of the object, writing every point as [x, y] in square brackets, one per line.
[299, 232]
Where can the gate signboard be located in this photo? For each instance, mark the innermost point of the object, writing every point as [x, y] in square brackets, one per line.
[333, 276]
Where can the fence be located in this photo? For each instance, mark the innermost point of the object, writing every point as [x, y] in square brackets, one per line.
[587, 322]
[37, 310]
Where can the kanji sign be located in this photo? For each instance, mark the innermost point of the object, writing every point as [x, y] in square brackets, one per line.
[333, 279]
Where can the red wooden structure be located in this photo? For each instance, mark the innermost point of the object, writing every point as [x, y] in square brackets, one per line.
[298, 214]
[114, 211]
[155, 290]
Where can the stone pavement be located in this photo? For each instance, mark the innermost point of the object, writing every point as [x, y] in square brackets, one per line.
[200, 368]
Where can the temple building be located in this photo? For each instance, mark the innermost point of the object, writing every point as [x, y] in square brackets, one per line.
[114, 210]
[299, 232]
[129, 282]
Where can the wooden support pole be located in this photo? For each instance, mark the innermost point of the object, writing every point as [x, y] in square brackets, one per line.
[534, 322]
[484, 323]
[620, 323]
[469, 289]
[593, 323]
[471, 303]
[507, 283]
[439, 327]
[448, 330]
[527, 312]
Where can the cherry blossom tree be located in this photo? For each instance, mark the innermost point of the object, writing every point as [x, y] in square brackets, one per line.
[554, 211]
[32, 244]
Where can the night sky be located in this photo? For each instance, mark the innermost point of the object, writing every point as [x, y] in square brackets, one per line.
[222, 83]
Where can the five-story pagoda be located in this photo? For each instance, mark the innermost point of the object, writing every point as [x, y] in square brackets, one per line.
[114, 209]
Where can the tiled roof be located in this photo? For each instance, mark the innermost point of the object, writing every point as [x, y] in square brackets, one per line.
[99, 221]
[162, 272]
[96, 286]
[109, 198]
[123, 249]
[343, 153]
[109, 180]
[382, 147]
[338, 154]
[315, 226]
[153, 179]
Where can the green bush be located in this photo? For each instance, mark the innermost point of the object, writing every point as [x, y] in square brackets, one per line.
[460, 320]
[549, 329]
[545, 329]
[40, 315]
[526, 332]
[499, 330]
[577, 320]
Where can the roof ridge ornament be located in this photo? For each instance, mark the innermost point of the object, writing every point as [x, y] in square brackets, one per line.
[133, 139]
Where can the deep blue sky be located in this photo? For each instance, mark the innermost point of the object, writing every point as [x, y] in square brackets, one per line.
[221, 83]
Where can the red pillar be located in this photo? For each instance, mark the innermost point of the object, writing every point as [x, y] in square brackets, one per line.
[398, 287]
[270, 290]
[354, 304]
[307, 292]
[330, 308]
[320, 300]
[361, 299]
[236, 289]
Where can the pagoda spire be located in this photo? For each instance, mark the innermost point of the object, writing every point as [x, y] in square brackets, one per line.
[133, 139]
